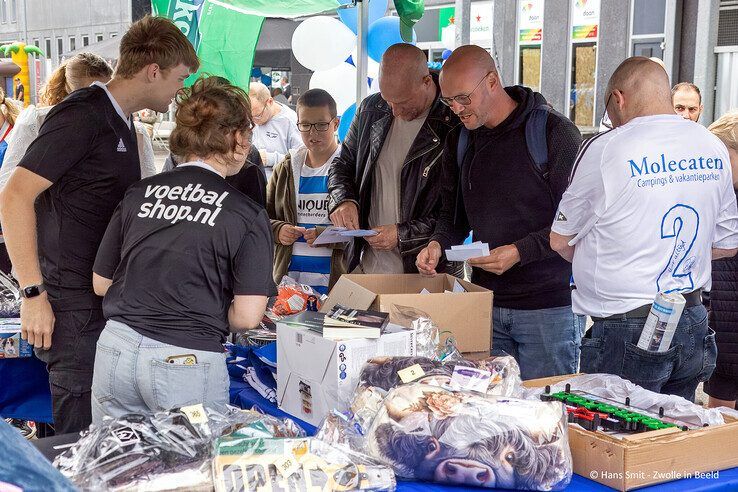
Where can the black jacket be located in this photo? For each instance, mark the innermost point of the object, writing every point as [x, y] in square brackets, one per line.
[350, 177]
[724, 314]
[503, 198]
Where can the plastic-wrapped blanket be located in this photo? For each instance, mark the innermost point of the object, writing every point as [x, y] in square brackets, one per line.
[461, 438]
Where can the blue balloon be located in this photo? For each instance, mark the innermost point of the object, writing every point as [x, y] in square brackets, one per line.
[266, 80]
[382, 34]
[345, 124]
[377, 9]
[256, 72]
[446, 54]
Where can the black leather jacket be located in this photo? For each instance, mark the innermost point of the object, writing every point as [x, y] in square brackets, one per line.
[350, 177]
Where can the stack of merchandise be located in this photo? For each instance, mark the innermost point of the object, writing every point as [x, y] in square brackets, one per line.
[253, 357]
[195, 449]
[456, 422]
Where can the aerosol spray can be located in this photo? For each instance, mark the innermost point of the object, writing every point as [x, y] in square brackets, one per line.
[662, 322]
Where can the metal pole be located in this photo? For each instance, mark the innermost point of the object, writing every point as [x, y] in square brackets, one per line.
[462, 21]
[362, 23]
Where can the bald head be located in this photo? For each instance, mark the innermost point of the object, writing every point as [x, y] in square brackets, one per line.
[404, 81]
[638, 87]
[645, 79]
[468, 61]
[259, 91]
[402, 62]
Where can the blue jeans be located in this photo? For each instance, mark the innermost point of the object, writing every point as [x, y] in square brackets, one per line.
[545, 342]
[611, 347]
[131, 375]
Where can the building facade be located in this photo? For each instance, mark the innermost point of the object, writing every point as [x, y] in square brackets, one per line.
[58, 27]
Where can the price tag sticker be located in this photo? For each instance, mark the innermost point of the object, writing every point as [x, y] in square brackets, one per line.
[195, 414]
[286, 466]
[410, 374]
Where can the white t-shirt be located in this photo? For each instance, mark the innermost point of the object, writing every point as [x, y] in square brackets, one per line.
[646, 204]
[277, 136]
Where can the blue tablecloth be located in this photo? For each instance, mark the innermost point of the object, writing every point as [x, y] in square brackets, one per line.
[242, 395]
[24, 390]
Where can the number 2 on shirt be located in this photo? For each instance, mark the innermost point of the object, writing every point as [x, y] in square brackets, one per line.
[681, 223]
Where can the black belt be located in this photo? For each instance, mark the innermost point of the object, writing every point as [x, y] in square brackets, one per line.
[693, 298]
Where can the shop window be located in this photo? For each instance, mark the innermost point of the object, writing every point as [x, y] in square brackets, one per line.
[585, 19]
[530, 37]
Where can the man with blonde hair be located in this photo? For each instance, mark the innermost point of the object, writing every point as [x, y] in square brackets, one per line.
[649, 205]
[275, 132]
[59, 200]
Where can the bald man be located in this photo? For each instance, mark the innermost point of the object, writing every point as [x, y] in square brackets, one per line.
[275, 133]
[388, 176]
[650, 203]
[514, 168]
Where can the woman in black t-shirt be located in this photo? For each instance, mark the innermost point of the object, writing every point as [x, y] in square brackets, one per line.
[185, 259]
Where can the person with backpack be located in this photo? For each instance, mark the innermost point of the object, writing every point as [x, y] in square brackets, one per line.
[504, 174]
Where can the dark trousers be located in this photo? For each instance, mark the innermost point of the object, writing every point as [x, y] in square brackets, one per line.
[69, 362]
[610, 347]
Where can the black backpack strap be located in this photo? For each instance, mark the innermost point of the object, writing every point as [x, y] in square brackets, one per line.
[536, 138]
[461, 146]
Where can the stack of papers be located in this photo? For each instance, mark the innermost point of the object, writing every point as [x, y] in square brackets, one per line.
[334, 234]
[465, 252]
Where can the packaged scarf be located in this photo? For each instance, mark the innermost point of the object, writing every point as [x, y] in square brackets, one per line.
[462, 438]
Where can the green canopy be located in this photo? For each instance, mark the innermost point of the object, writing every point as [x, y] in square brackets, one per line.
[225, 32]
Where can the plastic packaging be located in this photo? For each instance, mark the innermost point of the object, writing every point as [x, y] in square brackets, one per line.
[294, 297]
[461, 438]
[616, 388]
[169, 451]
[662, 322]
[10, 299]
[427, 337]
[498, 375]
[294, 464]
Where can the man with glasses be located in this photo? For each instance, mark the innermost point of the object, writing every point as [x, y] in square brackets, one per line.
[388, 176]
[650, 204]
[275, 132]
[297, 198]
[511, 164]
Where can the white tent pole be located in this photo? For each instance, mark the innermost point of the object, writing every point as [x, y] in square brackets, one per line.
[362, 23]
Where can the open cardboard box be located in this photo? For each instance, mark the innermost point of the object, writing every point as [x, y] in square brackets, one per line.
[468, 315]
[651, 457]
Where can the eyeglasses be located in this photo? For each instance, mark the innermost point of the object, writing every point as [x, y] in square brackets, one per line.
[321, 126]
[262, 112]
[463, 99]
[606, 122]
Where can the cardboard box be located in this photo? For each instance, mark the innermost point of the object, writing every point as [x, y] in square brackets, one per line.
[651, 457]
[316, 374]
[11, 344]
[468, 315]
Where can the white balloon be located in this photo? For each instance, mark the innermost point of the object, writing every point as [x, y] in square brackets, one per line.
[372, 68]
[320, 43]
[448, 37]
[340, 82]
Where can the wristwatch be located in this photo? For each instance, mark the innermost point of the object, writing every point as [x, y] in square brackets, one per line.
[32, 291]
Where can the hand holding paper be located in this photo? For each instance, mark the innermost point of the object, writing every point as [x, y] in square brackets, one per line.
[465, 252]
[335, 234]
[499, 260]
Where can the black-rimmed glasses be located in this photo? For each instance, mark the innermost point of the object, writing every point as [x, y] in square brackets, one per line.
[464, 99]
[320, 126]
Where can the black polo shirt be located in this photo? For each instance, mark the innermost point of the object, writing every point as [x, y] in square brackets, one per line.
[89, 153]
[178, 248]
